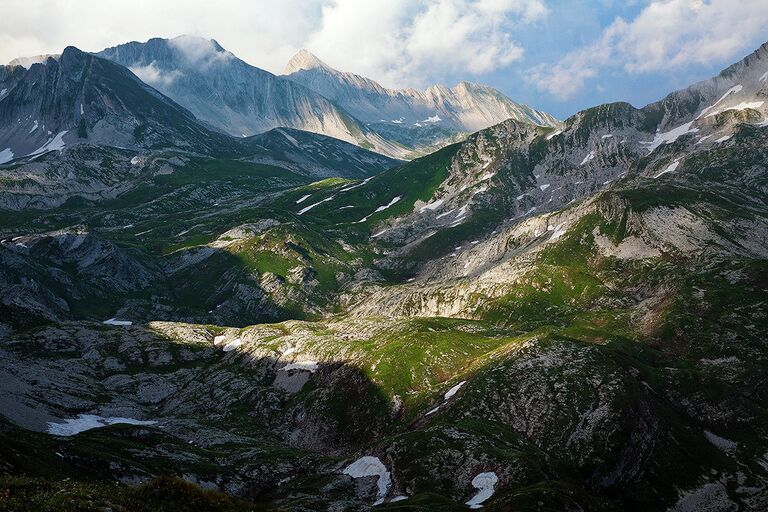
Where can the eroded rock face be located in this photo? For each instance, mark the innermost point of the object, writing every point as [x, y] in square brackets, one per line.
[467, 107]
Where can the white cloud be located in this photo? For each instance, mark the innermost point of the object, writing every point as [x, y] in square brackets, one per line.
[407, 42]
[265, 33]
[666, 35]
[199, 51]
[401, 42]
[153, 75]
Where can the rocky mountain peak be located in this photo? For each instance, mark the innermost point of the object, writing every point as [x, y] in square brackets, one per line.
[26, 62]
[304, 60]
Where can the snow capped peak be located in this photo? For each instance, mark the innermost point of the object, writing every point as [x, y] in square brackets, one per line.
[304, 60]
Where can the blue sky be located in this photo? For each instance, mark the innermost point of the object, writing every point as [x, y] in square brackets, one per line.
[557, 55]
[576, 24]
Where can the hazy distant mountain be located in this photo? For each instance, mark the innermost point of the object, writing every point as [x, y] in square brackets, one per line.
[243, 100]
[466, 107]
[240, 99]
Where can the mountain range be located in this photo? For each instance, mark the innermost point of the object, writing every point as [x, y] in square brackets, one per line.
[539, 315]
[240, 99]
[468, 107]
[231, 96]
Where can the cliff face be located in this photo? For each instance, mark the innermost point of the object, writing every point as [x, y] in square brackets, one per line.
[467, 107]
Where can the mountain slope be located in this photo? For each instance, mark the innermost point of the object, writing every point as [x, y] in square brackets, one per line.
[240, 99]
[82, 126]
[517, 170]
[314, 154]
[467, 107]
[80, 97]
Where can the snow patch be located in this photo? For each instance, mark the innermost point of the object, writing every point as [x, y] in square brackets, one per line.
[432, 119]
[371, 466]
[554, 134]
[85, 422]
[710, 496]
[446, 213]
[722, 443]
[302, 199]
[290, 138]
[741, 106]
[462, 211]
[487, 176]
[432, 206]
[544, 186]
[6, 155]
[232, 345]
[380, 209]
[732, 90]
[670, 168]
[34, 127]
[345, 189]
[455, 389]
[588, 158]
[559, 231]
[722, 139]
[484, 483]
[115, 321]
[54, 144]
[307, 208]
[309, 366]
[670, 136]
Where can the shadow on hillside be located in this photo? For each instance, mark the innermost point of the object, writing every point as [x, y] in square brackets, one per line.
[48, 279]
[235, 421]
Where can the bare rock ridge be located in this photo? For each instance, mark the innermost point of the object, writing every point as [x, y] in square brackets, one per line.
[243, 100]
[467, 107]
[235, 97]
